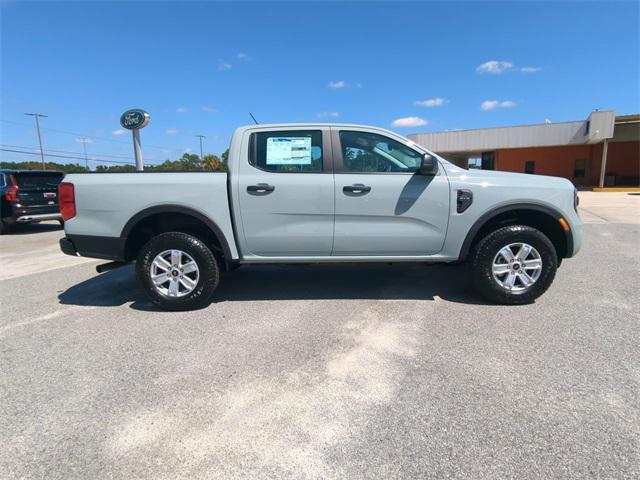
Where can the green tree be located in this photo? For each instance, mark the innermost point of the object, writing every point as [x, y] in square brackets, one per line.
[190, 161]
[212, 162]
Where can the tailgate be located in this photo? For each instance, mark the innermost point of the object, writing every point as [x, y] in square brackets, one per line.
[38, 189]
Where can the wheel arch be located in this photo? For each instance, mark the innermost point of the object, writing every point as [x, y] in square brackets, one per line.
[545, 218]
[147, 216]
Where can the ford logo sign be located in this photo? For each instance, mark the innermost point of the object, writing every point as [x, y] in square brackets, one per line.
[134, 119]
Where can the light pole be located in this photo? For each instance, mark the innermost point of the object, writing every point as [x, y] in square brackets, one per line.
[201, 137]
[37, 116]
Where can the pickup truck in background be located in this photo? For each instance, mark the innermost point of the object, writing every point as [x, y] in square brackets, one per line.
[307, 193]
[28, 196]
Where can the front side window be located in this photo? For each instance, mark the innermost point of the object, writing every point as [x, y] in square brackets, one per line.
[288, 151]
[369, 152]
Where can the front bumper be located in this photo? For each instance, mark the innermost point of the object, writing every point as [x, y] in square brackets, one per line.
[106, 248]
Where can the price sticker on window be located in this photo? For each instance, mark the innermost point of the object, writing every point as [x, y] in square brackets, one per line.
[289, 151]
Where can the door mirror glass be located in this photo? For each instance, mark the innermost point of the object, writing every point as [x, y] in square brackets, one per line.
[429, 165]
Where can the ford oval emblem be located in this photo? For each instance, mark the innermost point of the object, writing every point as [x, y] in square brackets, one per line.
[134, 119]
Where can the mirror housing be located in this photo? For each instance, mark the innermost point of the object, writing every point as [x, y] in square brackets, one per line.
[428, 165]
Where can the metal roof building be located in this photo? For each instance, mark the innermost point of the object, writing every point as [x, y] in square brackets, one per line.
[579, 150]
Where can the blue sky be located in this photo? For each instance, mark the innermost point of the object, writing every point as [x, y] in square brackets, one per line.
[200, 67]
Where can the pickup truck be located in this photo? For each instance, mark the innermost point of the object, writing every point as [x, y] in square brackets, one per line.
[312, 193]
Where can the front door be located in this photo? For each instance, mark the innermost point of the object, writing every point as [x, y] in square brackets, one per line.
[286, 193]
[383, 207]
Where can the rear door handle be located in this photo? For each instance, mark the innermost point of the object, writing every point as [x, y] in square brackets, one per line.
[261, 188]
[356, 188]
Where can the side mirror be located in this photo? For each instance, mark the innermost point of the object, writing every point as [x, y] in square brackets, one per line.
[428, 165]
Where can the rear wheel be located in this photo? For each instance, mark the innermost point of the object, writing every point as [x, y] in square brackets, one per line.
[178, 271]
[514, 265]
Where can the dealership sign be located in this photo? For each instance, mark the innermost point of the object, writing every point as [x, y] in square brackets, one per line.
[134, 119]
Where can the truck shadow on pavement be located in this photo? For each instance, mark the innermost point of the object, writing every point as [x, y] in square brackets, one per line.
[295, 282]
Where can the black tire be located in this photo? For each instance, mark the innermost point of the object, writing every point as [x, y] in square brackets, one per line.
[484, 253]
[3, 227]
[209, 273]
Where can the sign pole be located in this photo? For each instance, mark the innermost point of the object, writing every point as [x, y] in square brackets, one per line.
[137, 149]
[134, 120]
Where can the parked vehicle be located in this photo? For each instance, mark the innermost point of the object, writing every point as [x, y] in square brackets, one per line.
[28, 196]
[323, 193]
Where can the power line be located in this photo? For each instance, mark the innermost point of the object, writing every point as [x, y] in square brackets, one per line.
[94, 137]
[66, 151]
[66, 156]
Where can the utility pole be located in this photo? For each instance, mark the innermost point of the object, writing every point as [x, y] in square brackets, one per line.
[37, 116]
[201, 137]
[84, 142]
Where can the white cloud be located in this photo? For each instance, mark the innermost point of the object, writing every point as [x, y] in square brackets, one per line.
[187, 150]
[492, 104]
[530, 69]
[495, 67]
[84, 140]
[338, 84]
[409, 122]
[119, 132]
[243, 56]
[170, 131]
[208, 109]
[431, 102]
[182, 109]
[328, 114]
[222, 66]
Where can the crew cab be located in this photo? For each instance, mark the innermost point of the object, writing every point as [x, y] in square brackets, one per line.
[312, 193]
[28, 196]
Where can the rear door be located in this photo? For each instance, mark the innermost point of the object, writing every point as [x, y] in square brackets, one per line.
[38, 189]
[383, 206]
[286, 190]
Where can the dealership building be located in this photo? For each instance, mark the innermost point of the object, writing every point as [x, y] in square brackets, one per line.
[603, 150]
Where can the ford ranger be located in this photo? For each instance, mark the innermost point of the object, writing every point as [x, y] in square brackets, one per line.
[311, 193]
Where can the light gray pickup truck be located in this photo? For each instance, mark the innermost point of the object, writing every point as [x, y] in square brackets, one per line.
[311, 193]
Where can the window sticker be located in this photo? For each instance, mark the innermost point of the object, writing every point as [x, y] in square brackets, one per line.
[289, 151]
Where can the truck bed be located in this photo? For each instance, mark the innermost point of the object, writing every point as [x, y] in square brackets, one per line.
[107, 201]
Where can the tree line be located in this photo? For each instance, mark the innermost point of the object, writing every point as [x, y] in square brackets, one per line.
[188, 162]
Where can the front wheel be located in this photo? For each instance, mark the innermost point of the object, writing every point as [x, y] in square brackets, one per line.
[178, 271]
[514, 265]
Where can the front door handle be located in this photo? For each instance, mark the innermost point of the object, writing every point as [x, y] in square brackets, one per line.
[356, 188]
[262, 188]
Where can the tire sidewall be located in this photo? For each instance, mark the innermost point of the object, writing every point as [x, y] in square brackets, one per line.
[489, 247]
[201, 254]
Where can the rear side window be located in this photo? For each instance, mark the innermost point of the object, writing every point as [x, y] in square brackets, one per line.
[3, 182]
[287, 151]
[38, 179]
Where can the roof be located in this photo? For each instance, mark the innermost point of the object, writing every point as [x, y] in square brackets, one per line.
[631, 118]
[594, 129]
[370, 128]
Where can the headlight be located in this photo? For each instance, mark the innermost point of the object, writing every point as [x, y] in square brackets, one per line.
[576, 199]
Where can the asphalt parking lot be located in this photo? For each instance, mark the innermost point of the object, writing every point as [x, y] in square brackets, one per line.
[376, 371]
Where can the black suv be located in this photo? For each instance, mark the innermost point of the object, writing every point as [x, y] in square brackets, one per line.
[28, 196]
